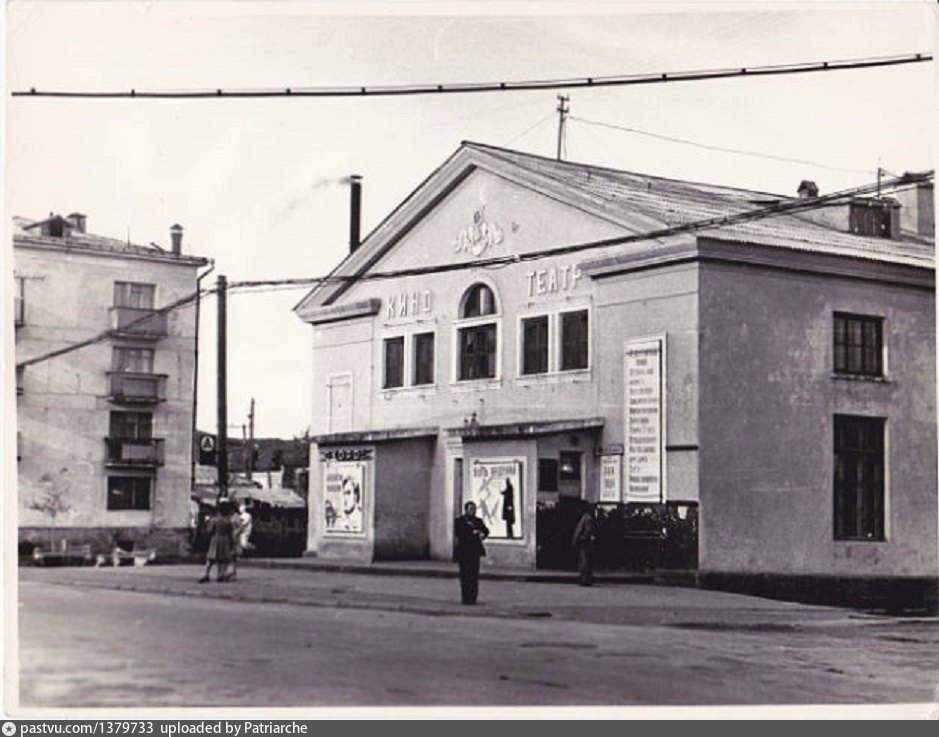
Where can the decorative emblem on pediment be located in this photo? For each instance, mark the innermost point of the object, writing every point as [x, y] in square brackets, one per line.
[484, 233]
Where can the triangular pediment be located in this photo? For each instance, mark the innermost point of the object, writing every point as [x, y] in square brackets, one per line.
[479, 205]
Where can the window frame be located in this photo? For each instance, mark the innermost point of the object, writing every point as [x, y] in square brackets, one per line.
[415, 363]
[560, 340]
[118, 366]
[134, 493]
[123, 290]
[116, 417]
[462, 324]
[385, 344]
[842, 349]
[555, 314]
[847, 503]
[523, 350]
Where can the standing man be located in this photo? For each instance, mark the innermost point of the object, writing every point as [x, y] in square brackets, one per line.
[470, 533]
[584, 541]
[508, 508]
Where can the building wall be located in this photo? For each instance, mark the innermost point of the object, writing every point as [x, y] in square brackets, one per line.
[63, 413]
[660, 302]
[767, 400]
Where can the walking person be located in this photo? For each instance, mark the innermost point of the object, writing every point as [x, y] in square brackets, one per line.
[470, 533]
[584, 541]
[221, 542]
[241, 529]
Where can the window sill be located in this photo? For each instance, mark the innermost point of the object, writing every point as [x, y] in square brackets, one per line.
[408, 391]
[555, 377]
[470, 385]
[861, 377]
[863, 540]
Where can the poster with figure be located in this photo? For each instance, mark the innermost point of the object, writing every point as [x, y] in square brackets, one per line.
[343, 498]
[496, 487]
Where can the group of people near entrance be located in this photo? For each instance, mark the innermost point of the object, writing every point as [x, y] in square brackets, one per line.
[470, 531]
[230, 532]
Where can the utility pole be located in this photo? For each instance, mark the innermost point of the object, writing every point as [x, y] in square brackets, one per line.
[251, 440]
[222, 387]
[563, 110]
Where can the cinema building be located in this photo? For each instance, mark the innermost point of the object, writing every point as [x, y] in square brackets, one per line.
[754, 400]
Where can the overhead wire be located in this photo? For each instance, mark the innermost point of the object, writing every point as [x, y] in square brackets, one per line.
[471, 87]
[781, 208]
[712, 147]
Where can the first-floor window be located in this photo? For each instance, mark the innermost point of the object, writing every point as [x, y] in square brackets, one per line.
[129, 492]
[574, 334]
[535, 345]
[859, 478]
[423, 359]
[478, 352]
[135, 360]
[547, 474]
[394, 363]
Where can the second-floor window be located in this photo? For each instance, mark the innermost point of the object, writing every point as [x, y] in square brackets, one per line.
[423, 359]
[134, 360]
[393, 363]
[477, 342]
[131, 425]
[535, 345]
[134, 294]
[858, 344]
[574, 335]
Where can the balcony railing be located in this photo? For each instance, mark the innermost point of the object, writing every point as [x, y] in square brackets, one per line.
[19, 311]
[138, 322]
[131, 452]
[137, 388]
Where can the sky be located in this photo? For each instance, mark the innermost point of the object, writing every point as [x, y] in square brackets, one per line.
[256, 183]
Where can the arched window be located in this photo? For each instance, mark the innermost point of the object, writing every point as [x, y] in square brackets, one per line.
[478, 301]
[477, 342]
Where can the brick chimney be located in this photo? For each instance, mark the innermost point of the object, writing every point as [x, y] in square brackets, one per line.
[807, 189]
[176, 236]
[78, 221]
[355, 211]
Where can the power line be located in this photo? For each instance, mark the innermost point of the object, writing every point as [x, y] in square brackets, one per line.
[782, 208]
[724, 149]
[459, 88]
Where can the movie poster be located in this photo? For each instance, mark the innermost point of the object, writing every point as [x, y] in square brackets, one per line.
[343, 498]
[496, 487]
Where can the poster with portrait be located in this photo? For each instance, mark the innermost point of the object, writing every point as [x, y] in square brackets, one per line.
[344, 498]
[496, 487]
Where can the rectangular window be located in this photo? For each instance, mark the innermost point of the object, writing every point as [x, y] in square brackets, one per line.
[535, 345]
[478, 352]
[131, 425]
[574, 335]
[423, 359]
[19, 302]
[128, 492]
[547, 474]
[570, 466]
[394, 363]
[134, 294]
[134, 360]
[859, 478]
[858, 344]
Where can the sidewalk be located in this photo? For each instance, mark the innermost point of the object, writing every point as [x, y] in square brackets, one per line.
[431, 589]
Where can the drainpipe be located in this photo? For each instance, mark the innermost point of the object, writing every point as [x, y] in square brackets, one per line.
[195, 380]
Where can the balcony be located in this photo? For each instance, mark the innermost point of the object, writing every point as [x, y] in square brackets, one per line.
[137, 322]
[129, 387]
[126, 452]
[19, 311]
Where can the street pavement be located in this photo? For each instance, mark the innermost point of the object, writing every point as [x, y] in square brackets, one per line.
[152, 636]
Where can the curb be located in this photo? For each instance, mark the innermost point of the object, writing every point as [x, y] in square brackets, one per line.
[486, 575]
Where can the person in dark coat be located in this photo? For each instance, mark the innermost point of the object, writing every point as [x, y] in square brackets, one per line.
[470, 533]
[584, 541]
[221, 542]
[508, 508]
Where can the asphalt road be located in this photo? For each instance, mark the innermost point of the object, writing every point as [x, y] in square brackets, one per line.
[323, 639]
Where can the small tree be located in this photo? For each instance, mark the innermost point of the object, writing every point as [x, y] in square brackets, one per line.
[52, 501]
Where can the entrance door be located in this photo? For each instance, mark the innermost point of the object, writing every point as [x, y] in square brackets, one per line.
[560, 491]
